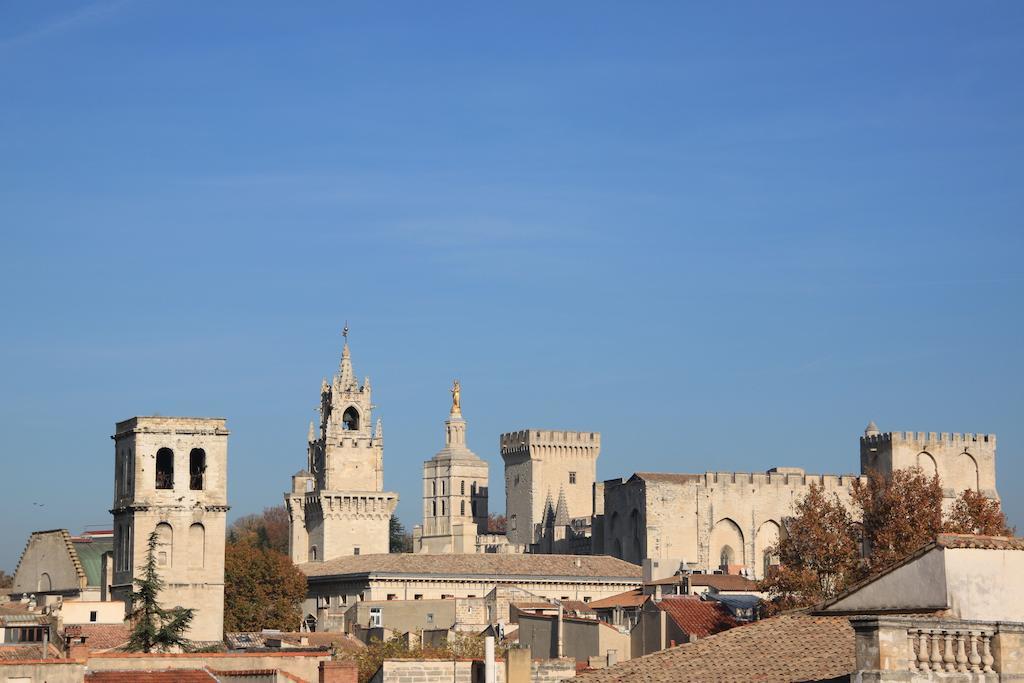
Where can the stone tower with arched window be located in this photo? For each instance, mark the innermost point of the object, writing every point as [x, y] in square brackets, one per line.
[454, 492]
[170, 476]
[337, 505]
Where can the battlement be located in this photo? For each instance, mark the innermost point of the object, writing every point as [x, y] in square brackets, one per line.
[928, 438]
[526, 438]
[797, 479]
[161, 424]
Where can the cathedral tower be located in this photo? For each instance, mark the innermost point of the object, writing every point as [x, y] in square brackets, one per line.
[454, 491]
[337, 505]
[170, 476]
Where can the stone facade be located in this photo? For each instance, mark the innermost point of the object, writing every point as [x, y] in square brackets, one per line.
[962, 461]
[727, 520]
[337, 505]
[171, 477]
[542, 467]
[705, 521]
[454, 494]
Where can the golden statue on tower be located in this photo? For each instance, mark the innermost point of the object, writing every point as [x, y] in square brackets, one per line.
[456, 398]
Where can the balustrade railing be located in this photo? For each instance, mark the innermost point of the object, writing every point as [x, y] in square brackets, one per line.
[952, 650]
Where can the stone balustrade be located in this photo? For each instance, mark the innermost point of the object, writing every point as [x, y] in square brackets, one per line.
[917, 648]
[951, 649]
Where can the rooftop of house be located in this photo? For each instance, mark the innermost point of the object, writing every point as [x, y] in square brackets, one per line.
[632, 598]
[101, 636]
[28, 651]
[477, 565]
[696, 617]
[789, 647]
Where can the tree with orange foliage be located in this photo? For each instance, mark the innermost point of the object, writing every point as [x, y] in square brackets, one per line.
[818, 555]
[973, 513]
[899, 514]
[262, 589]
[267, 529]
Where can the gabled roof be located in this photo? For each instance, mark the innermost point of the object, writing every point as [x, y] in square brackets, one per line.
[633, 598]
[944, 541]
[789, 647]
[495, 566]
[697, 617]
[102, 636]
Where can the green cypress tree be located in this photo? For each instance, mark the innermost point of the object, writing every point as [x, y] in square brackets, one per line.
[155, 628]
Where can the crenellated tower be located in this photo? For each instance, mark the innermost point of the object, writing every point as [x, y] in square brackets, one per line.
[337, 505]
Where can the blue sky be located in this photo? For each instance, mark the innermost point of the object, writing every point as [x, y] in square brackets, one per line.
[724, 237]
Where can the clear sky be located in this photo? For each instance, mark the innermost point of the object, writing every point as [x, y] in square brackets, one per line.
[725, 238]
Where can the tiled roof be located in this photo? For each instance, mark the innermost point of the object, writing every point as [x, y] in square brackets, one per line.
[697, 617]
[20, 651]
[633, 598]
[168, 676]
[789, 647]
[104, 636]
[482, 564]
[982, 542]
[723, 582]
[577, 606]
[339, 641]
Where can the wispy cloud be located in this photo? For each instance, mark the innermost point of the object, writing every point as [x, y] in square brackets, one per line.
[64, 23]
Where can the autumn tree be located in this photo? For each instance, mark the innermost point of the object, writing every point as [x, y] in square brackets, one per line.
[496, 524]
[262, 589]
[153, 627]
[6, 580]
[973, 513]
[819, 553]
[899, 513]
[398, 540]
[267, 529]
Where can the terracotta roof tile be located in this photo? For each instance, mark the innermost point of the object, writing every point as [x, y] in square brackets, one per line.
[790, 647]
[723, 582]
[983, 542]
[697, 617]
[633, 598]
[104, 636]
[20, 651]
[482, 564]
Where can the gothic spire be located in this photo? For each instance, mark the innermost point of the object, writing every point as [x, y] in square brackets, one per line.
[549, 510]
[346, 376]
[310, 437]
[379, 436]
[562, 511]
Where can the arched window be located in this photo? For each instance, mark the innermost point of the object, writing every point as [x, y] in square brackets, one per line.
[350, 419]
[44, 583]
[197, 546]
[442, 487]
[165, 468]
[462, 508]
[727, 557]
[196, 469]
[312, 554]
[462, 487]
[164, 544]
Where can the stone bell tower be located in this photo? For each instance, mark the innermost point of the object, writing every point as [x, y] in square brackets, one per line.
[337, 505]
[170, 476]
